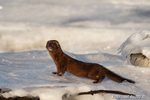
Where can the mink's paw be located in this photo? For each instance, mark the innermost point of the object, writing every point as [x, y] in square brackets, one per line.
[59, 74]
[54, 73]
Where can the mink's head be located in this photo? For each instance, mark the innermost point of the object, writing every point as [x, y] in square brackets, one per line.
[52, 45]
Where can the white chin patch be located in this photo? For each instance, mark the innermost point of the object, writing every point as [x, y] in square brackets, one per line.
[50, 49]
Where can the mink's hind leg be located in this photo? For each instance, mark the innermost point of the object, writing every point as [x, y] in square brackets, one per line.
[97, 77]
[99, 80]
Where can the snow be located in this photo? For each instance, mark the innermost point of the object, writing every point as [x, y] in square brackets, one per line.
[136, 40]
[25, 22]
[1, 7]
[87, 30]
[30, 73]
[136, 43]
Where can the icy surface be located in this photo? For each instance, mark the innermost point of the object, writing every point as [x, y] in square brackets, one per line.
[136, 43]
[88, 30]
[28, 24]
[30, 73]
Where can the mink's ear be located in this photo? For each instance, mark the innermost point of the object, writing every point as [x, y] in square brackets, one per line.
[57, 43]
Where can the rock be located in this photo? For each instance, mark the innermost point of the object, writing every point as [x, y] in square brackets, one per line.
[4, 90]
[20, 98]
[139, 59]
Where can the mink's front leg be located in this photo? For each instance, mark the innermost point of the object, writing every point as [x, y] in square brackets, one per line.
[58, 73]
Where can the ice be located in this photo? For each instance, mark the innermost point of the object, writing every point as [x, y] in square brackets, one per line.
[134, 41]
[28, 24]
[87, 30]
[33, 73]
[1, 7]
[30, 73]
[58, 93]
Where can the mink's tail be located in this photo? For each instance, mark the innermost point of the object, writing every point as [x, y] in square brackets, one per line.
[113, 76]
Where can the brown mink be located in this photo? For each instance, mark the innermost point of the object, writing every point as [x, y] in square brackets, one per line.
[78, 68]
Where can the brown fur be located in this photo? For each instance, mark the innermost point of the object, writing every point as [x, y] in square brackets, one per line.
[81, 69]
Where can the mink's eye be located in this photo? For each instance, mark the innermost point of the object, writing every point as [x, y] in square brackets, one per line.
[52, 44]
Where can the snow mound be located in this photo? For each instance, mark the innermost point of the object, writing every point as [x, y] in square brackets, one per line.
[136, 40]
[59, 93]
